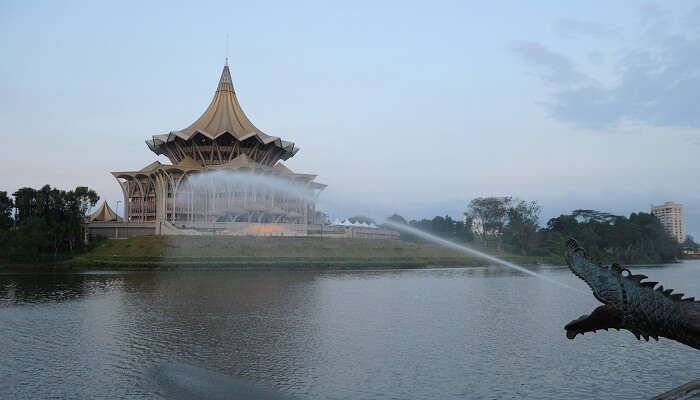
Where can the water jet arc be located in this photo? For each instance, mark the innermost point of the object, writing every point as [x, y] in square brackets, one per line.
[467, 250]
[282, 185]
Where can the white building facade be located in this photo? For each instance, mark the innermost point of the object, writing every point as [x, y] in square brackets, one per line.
[671, 216]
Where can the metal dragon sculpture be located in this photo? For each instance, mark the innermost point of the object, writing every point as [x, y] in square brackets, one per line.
[632, 304]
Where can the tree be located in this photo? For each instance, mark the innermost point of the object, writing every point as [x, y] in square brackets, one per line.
[49, 220]
[361, 219]
[521, 229]
[566, 224]
[83, 199]
[490, 215]
[606, 237]
[443, 226]
[593, 215]
[689, 242]
[463, 231]
[25, 202]
[397, 219]
[78, 203]
[31, 241]
[6, 206]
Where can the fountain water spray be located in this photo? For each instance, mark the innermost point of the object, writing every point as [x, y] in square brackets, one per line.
[292, 188]
[201, 181]
[225, 196]
[467, 250]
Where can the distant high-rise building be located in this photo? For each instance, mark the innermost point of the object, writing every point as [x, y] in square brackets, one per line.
[671, 216]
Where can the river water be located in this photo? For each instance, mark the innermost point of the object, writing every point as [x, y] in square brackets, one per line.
[465, 333]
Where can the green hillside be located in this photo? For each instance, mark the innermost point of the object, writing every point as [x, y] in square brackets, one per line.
[241, 252]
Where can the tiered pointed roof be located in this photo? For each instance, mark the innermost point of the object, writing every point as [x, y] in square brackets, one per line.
[224, 115]
[104, 214]
[189, 162]
[151, 167]
[242, 161]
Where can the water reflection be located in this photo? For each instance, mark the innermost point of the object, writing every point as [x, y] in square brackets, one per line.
[441, 333]
[32, 288]
[184, 382]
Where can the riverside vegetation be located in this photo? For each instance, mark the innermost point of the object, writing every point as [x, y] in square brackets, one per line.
[48, 224]
[512, 226]
[48, 227]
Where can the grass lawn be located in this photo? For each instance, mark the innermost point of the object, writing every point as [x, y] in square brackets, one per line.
[241, 252]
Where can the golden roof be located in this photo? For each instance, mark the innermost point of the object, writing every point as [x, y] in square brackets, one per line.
[224, 115]
[189, 162]
[242, 161]
[151, 167]
[104, 214]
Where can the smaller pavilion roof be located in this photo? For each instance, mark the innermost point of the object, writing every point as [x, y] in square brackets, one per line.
[104, 214]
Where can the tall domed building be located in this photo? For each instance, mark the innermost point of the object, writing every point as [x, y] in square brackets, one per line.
[225, 176]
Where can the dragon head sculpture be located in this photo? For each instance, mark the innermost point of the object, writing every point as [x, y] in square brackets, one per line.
[606, 287]
[629, 303]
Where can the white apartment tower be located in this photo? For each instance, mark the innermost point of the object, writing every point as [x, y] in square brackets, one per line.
[671, 216]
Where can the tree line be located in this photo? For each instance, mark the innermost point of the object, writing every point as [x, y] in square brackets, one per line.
[690, 244]
[512, 225]
[47, 223]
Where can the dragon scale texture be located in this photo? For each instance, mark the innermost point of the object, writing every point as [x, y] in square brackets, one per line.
[639, 307]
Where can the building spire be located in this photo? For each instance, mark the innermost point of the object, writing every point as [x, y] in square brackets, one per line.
[226, 50]
[225, 83]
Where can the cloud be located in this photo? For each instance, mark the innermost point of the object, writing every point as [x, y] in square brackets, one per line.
[657, 84]
[587, 107]
[552, 67]
[576, 28]
[656, 87]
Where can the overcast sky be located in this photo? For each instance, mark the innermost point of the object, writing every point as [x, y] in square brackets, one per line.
[398, 107]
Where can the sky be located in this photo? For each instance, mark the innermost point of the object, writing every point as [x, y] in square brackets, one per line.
[413, 108]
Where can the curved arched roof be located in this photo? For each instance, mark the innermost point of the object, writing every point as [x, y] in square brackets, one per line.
[224, 115]
[104, 214]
